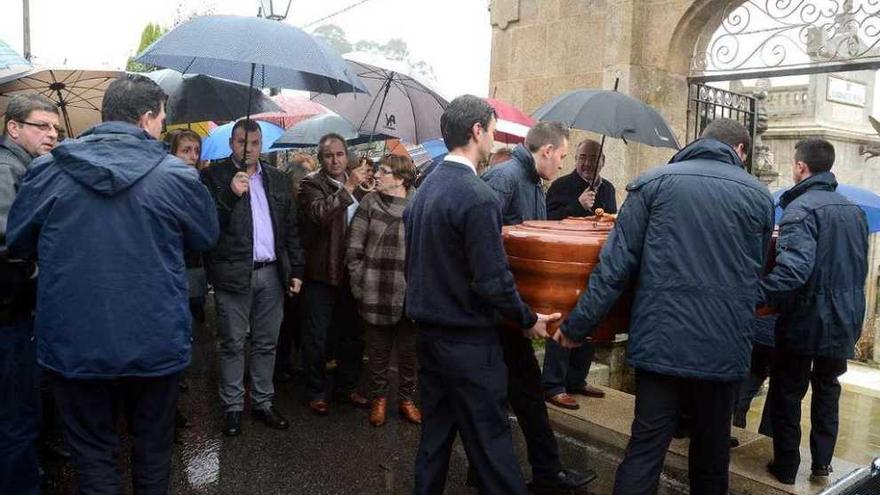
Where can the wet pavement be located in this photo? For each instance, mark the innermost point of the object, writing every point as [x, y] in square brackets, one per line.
[338, 454]
[858, 438]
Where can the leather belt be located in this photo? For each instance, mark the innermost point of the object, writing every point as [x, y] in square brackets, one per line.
[262, 264]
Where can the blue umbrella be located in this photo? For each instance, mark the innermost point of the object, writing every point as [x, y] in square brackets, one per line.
[867, 200]
[11, 63]
[216, 145]
[253, 50]
[436, 148]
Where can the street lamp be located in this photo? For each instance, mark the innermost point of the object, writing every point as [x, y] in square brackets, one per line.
[267, 9]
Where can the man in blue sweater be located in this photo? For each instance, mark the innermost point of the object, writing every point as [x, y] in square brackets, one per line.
[458, 280]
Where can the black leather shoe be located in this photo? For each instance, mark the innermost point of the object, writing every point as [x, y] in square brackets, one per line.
[565, 481]
[56, 450]
[233, 423]
[271, 418]
[283, 376]
[822, 471]
[785, 479]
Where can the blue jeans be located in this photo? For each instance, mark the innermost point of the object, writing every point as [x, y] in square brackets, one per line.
[20, 409]
[565, 369]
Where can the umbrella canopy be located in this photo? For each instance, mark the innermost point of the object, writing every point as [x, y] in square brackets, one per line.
[310, 131]
[11, 63]
[609, 113]
[400, 106]
[200, 128]
[198, 97]
[868, 201]
[78, 93]
[513, 124]
[216, 145]
[252, 50]
[294, 109]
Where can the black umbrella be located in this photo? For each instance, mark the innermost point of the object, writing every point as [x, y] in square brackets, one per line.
[198, 97]
[609, 113]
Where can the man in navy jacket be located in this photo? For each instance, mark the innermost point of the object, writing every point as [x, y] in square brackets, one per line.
[107, 216]
[818, 285]
[692, 236]
[457, 280]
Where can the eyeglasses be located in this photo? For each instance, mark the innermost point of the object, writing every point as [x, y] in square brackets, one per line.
[385, 170]
[42, 126]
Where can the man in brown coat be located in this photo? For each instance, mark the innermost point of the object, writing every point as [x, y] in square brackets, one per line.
[328, 200]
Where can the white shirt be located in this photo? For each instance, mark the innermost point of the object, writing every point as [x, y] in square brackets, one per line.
[462, 160]
[352, 208]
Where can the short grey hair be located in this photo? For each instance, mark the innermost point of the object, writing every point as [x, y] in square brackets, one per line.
[21, 106]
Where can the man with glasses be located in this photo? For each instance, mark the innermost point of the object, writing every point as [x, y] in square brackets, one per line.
[29, 131]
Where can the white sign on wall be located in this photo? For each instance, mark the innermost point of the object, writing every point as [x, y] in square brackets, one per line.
[846, 92]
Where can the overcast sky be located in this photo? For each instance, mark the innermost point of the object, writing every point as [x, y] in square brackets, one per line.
[453, 36]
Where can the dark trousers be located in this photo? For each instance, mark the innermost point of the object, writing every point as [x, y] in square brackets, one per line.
[91, 409]
[324, 306]
[463, 388]
[659, 398]
[526, 398]
[791, 376]
[289, 339]
[19, 409]
[762, 358]
[380, 342]
[565, 369]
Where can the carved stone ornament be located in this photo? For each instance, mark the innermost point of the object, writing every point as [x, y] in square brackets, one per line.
[503, 12]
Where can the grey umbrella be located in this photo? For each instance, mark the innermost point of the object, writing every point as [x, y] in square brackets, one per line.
[239, 48]
[198, 97]
[252, 50]
[310, 131]
[609, 113]
[400, 107]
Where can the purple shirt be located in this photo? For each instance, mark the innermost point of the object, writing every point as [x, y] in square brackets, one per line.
[264, 236]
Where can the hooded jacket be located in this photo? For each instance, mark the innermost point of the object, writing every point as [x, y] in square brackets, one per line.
[108, 216]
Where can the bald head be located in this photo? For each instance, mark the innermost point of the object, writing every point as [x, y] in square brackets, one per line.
[585, 160]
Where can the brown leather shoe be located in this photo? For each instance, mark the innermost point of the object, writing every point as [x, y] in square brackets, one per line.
[378, 411]
[355, 399]
[319, 407]
[564, 401]
[410, 412]
[588, 391]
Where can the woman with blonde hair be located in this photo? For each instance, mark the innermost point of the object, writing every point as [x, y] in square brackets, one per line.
[375, 258]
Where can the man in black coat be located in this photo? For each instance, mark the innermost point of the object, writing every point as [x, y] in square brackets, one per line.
[818, 286]
[258, 258]
[518, 184]
[692, 236]
[458, 280]
[577, 194]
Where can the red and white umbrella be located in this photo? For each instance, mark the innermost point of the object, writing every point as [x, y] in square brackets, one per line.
[295, 109]
[513, 124]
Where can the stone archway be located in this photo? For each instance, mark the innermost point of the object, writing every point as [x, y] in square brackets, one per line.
[541, 48]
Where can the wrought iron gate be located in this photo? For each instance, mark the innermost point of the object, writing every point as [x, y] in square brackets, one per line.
[706, 103]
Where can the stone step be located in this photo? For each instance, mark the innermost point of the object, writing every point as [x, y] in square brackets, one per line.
[607, 422]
